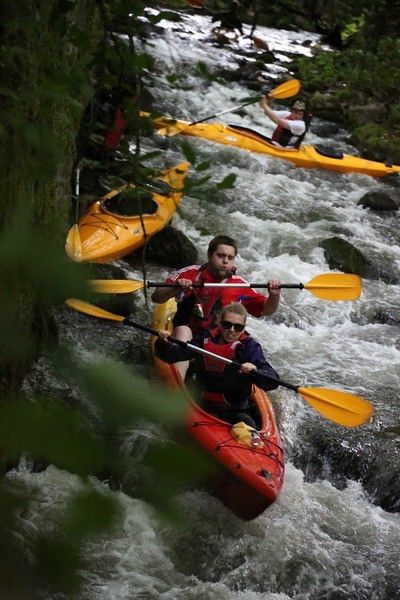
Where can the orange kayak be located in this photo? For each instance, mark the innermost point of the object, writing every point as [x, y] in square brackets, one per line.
[249, 478]
[119, 222]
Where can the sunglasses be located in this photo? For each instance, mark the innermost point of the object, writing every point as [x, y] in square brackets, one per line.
[229, 325]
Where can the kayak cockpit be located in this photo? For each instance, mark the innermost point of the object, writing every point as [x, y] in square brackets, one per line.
[131, 203]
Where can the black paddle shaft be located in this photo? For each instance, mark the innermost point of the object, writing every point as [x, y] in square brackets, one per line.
[129, 321]
[252, 101]
[199, 284]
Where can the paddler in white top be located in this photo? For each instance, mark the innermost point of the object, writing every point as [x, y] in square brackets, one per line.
[291, 126]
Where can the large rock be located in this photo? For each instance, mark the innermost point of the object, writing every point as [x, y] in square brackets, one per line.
[324, 128]
[379, 200]
[343, 256]
[326, 106]
[171, 248]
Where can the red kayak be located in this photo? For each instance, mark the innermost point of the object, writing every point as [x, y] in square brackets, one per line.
[250, 477]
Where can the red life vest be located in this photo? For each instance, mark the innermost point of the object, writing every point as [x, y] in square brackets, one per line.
[209, 301]
[116, 130]
[198, 309]
[284, 136]
[214, 368]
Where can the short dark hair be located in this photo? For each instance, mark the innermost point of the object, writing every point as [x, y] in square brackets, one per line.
[221, 239]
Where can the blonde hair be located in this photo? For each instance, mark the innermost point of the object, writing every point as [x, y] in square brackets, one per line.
[234, 307]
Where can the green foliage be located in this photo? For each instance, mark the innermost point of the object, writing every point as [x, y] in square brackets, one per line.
[35, 271]
[114, 402]
[374, 74]
[320, 72]
[202, 70]
[171, 467]
[51, 433]
[352, 28]
[197, 185]
[89, 512]
[204, 165]
[43, 100]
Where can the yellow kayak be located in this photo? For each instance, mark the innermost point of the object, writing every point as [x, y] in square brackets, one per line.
[309, 157]
[119, 222]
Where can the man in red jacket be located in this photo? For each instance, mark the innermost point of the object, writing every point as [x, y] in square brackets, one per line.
[198, 307]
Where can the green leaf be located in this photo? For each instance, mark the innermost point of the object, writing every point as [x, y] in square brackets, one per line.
[227, 182]
[203, 166]
[189, 152]
[123, 399]
[53, 434]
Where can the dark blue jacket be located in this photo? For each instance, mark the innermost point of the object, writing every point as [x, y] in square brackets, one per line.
[235, 386]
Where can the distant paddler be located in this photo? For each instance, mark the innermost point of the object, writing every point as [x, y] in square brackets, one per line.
[291, 124]
[229, 20]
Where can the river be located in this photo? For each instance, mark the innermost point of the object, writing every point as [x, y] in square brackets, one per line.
[332, 533]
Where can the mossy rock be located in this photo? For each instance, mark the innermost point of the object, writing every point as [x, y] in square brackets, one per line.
[366, 114]
[343, 256]
[376, 143]
[327, 106]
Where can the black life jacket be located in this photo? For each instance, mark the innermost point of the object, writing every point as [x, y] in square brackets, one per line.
[307, 120]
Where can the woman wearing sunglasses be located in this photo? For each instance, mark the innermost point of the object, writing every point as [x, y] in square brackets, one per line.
[224, 390]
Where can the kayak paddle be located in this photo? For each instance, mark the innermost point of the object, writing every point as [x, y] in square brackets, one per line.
[284, 90]
[340, 407]
[328, 286]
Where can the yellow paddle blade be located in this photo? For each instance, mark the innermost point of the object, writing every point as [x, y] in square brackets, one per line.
[340, 407]
[335, 286]
[92, 310]
[73, 244]
[286, 89]
[115, 286]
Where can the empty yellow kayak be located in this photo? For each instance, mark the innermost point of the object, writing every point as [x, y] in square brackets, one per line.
[309, 157]
[119, 222]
